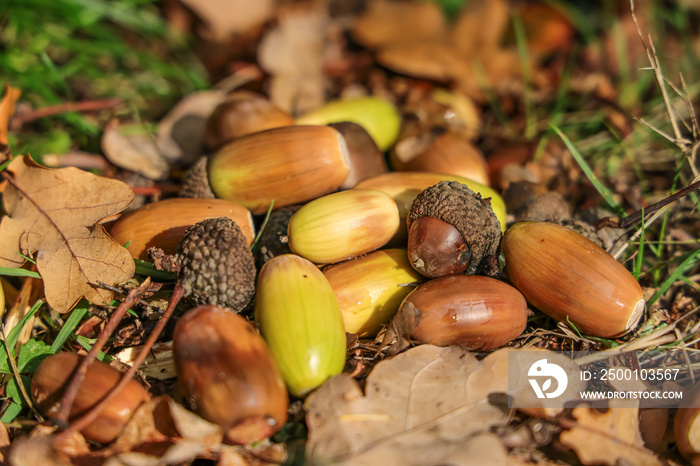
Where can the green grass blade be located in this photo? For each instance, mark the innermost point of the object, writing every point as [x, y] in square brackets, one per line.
[68, 327]
[691, 259]
[599, 186]
[16, 272]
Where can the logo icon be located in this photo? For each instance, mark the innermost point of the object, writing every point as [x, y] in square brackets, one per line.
[542, 368]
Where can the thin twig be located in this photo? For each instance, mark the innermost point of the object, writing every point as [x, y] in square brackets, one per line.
[91, 415]
[17, 376]
[66, 401]
[85, 106]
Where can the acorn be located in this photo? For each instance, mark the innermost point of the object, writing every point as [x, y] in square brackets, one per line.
[51, 379]
[343, 225]
[288, 165]
[216, 264]
[441, 152]
[228, 374]
[405, 186]
[299, 317]
[452, 230]
[162, 224]
[686, 426]
[243, 112]
[370, 288]
[571, 279]
[476, 312]
[378, 116]
[366, 160]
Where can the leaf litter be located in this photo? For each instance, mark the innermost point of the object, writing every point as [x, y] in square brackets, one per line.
[427, 405]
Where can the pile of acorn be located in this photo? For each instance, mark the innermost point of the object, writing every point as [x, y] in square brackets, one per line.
[349, 247]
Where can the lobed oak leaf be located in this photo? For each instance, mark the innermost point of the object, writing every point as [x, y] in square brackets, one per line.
[53, 213]
[417, 408]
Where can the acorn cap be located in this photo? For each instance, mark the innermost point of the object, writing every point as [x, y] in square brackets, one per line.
[472, 216]
[273, 238]
[217, 266]
[195, 182]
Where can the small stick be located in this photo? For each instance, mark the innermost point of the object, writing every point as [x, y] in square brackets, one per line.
[66, 401]
[84, 106]
[90, 416]
[637, 216]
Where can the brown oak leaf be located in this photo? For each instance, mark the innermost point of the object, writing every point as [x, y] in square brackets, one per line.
[53, 213]
[609, 437]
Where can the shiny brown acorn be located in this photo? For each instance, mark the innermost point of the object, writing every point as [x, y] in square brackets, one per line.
[163, 224]
[228, 374]
[571, 279]
[287, 165]
[49, 384]
[243, 112]
[479, 313]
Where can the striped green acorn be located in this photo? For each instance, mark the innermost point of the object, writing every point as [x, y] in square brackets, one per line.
[343, 225]
[299, 317]
[378, 116]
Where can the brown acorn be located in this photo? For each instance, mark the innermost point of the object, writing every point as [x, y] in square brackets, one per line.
[243, 112]
[228, 374]
[449, 153]
[571, 279]
[479, 313]
[162, 224]
[451, 230]
[52, 376]
[287, 165]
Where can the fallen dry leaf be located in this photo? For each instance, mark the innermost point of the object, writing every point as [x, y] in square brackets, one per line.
[389, 21]
[181, 132]
[609, 437]
[53, 213]
[227, 17]
[292, 53]
[136, 152]
[7, 109]
[416, 410]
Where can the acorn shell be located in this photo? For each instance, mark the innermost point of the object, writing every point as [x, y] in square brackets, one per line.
[163, 224]
[48, 386]
[227, 371]
[299, 316]
[286, 165]
[568, 277]
[343, 225]
[479, 313]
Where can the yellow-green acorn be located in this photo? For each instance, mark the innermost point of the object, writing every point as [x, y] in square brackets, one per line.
[370, 288]
[299, 317]
[343, 225]
[378, 116]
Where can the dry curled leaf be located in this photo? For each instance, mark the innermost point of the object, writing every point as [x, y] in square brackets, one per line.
[136, 152]
[54, 213]
[7, 109]
[416, 410]
[609, 437]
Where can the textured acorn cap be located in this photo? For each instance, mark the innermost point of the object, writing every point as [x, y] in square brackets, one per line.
[217, 266]
[195, 182]
[472, 216]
